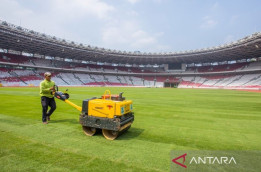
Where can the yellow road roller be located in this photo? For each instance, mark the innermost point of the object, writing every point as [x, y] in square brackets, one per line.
[113, 114]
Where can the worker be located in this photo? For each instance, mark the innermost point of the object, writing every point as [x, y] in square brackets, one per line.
[47, 98]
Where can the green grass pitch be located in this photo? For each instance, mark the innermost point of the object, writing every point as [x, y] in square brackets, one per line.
[165, 120]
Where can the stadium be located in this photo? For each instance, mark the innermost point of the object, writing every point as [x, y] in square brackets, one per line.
[26, 54]
[203, 99]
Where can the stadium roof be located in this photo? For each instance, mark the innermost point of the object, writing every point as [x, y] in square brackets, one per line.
[20, 39]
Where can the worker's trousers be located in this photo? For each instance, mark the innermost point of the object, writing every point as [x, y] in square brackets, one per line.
[45, 103]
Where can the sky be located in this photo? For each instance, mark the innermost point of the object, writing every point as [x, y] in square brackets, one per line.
[138, 25]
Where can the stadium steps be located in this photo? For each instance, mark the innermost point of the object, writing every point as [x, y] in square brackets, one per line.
[143, 82]
[154, 83]
[78, 78]
[131, 80]
[191, 81]
[12, 73]
[253, 79]
[53, 63]
[218, 81]
[127, 81]
[94, 80]
[203, 82]
[119, 79]
[62, 79]
[235, 80]
[105, 80]
[33, 62]
[37, 74]
[198, 81]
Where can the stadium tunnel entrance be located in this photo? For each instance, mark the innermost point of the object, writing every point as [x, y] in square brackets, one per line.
[171, 84]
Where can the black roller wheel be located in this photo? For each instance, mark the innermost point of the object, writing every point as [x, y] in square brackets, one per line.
[109, 134]
[89, 131]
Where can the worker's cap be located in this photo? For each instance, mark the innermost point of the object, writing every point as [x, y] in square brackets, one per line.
[47, 74]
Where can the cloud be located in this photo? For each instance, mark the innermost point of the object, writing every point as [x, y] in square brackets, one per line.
[234, 19]
[215, 6]
[80, 8]
[84, 21]
[57, 10]
[123, 32]
[57, 17]
[158, 1]
[130, 34]
[229, 39]
[12, 11]
[132, 13]
[136, 1]
[133, 1]
[141, 39]
[208, 23]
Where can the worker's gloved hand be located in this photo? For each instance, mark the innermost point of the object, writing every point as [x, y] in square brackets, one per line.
[52, 89]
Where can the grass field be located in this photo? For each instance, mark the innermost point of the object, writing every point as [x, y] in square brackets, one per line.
[165, 120]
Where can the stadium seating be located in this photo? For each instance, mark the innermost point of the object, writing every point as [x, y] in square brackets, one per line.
[238, 81]
[218, 68]
[21, 77]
